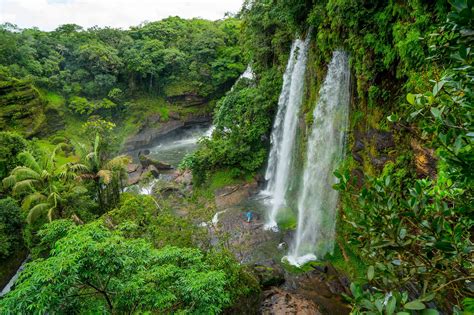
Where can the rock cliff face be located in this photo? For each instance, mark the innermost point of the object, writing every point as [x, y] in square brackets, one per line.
[153, 132]
[23, 110]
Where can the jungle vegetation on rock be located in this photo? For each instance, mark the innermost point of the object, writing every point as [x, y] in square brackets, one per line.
[70, 99]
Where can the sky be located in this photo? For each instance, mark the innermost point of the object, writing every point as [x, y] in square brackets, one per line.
[49, 14]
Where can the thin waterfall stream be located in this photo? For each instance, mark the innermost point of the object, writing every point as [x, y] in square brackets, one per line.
[284, 131]
[317, 200]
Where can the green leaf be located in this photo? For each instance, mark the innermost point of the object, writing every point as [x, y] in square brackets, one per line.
[411, 98]
[391, 305]
[428, 297]
[436, 112]
[430, 311]
[437, 87]
[370, 273]
[415, 305]
[393, 118]
[458, 144]
[387, 181]
[403, 233]
[379, 305]
[403, 313]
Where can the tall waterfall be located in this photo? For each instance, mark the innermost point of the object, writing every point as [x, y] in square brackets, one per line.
[284, 130]
[317, 201]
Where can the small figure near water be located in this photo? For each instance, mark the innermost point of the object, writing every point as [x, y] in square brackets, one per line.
[249, 215]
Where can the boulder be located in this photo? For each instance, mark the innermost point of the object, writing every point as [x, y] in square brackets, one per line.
[134, 178]
[146, 161]
[184, 178]
[269, 273]
[152, 119]
[174, 115]
[152, 170]
[324, 286]
[132, 168]
[165, 189]
[278, 301]
[233, 195]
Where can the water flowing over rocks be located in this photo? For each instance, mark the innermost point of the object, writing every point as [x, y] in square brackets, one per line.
[152, 133]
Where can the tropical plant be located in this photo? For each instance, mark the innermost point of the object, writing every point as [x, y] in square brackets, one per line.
[41, 184]
[106, 175]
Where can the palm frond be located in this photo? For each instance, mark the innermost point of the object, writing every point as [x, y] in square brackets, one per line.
[79, 147]
[78, 168]
[29, 160]
[24, 186]
[37, 211]
[96, 144]
[24, 172]
[105, 175]
[50, 213]
[78, 189]
[9, 181]
[32, 199]
[64, 172]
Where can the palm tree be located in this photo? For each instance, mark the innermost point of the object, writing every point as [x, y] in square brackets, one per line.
[106, 175]
[40, 183]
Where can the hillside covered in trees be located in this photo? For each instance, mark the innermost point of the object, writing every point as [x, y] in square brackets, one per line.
[334, 175]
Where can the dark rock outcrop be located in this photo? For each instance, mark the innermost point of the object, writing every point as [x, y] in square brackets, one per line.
[147, 161]
[269, 273]
[187, 100]
[379, 140]
[153, 132]
[150, 134]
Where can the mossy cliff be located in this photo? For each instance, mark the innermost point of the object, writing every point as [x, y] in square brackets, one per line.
[23, 109]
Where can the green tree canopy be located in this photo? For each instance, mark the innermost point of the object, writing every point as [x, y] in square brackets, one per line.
[96, 270]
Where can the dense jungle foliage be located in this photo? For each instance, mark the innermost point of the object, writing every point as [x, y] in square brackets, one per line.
[69, 97]
[411, 218]
[71, 74]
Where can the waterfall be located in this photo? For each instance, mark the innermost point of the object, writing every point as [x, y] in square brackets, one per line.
[317, 200]
[284, 131]
[248, 73]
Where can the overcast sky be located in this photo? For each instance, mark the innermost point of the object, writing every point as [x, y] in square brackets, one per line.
[48, 14]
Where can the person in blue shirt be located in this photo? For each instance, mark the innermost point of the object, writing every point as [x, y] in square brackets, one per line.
[249, 216]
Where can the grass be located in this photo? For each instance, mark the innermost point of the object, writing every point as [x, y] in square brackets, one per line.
[54, 100]
[225, 177]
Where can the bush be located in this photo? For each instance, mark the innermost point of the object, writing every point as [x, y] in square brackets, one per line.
[11, 224]
[10, 145]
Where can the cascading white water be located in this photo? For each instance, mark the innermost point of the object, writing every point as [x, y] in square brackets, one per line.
[317, 200]
[284, 130]
[248, 73]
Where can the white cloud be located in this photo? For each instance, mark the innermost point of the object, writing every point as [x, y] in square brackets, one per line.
[49, 14]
